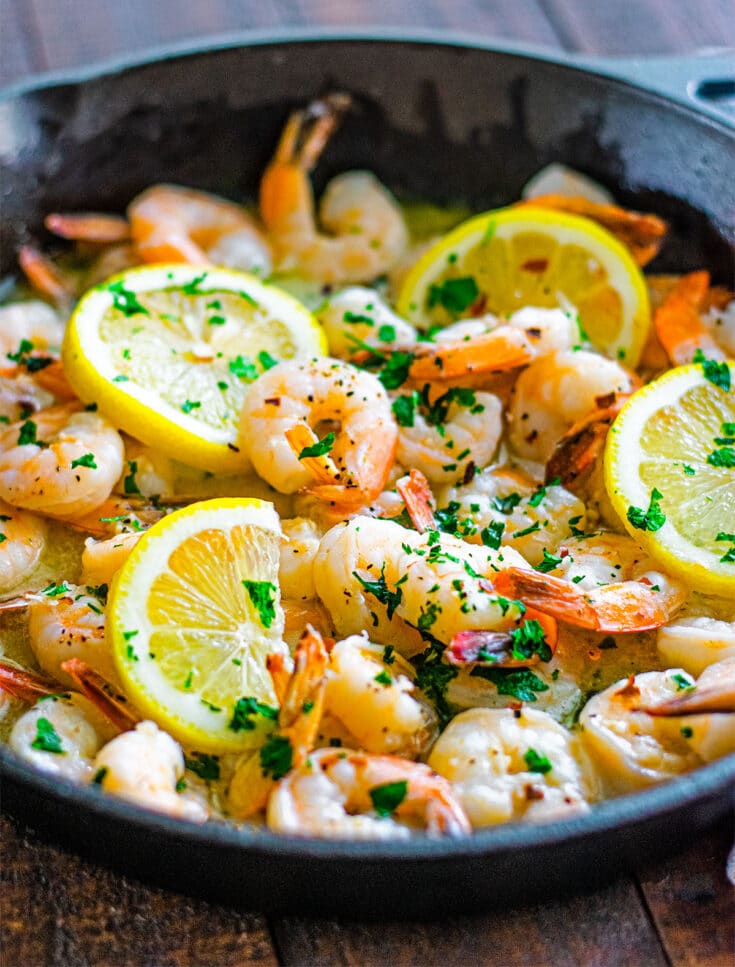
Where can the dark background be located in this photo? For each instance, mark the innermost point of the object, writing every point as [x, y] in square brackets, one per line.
[56, 909]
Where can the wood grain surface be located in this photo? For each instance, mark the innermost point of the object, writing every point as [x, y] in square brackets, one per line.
[59, 910]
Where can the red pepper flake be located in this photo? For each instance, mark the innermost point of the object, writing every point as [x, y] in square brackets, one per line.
[536, 265]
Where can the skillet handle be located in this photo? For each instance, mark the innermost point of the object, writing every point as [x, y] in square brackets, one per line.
[705, 80]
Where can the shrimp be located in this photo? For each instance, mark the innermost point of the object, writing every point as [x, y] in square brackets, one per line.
[556, 391]
[367, 230]
[633, 749]
[488, 345]
[299, 544]
[643, 234]
[695, 642]
[101, 560]
[375, 574]
[32, 325]
[145, 766]
[678, 322]
[169, 223]
[442, 433]
[68, 621]
[342, 794]
[370, 689]
[22, 540]
[512, 764]
[505, 506]
[89, 227]
[61, 734]
[300, 397]
[62, 462]
[357, 318]
[604, 583]
[46, 278]
[720, 323]
[21, 395]
[714, 692]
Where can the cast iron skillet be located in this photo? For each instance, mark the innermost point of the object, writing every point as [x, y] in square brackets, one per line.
[435, 119]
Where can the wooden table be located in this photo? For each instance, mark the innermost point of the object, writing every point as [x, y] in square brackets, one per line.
[56, 909]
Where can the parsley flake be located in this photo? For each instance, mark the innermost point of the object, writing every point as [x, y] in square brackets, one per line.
[536, 762]
[320, 448]
[263, 597]
[387, 797]
[276, 757]
[454, 295]
[652, 519]
[87, 460]
[47, 738]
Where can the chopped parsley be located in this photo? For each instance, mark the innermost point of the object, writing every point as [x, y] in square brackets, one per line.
[383, 678]
[380, 590]
[548, 563]
[263, 596]
[520, 683]
[527, 530]
[389, 654]
[687, 731]
[354, 318]
[320, 448]
[529, 640]
[266, 360]
[188, 405]
[454, 295]
[130, 485]
[652, 519]
[126, 301]
[428, 616]
[276, 757]
[682, 682]
[47, 738]
[717, 373]
[203, 765]
[394, 371]
[506, 505]
[192, 288]
[536, 762]
[538, 495]
[86, 460]
[216, 321]
[243, 367]
[433, 677]
[387, 333]
[491, 535]
[723, 457]
[244, 709]
[387, 797]
[99, 776]
[404, 408]
[27, 434]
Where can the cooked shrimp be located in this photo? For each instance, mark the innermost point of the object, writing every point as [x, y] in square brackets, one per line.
[678, 322]
[720, 323]
[21, 395]
[504, 506]
[299, 544]
[376, 574]
[62, 462]
[145, 767]
[512, 764]
[101, 560]
[68, 621]
[643, 234]
[88, 227]
[342, 794]
[61, 734]
[558, 179]
[714, 692]
[370, 689]
[25, 326]
[491, 345]
[153, 471]
[22, 540]
[358, 453]
[695, 642]
[367, 230]
[632, 749]
[443, 432]
[556, 391]
[357, 317]
[46, 278]
[169, 223]
[604, 583]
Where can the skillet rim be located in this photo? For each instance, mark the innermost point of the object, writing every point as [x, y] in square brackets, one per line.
[708, 783]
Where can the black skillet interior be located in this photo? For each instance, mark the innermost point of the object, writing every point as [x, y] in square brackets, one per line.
[434, 121]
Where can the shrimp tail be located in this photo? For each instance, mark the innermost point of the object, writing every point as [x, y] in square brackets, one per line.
[103, 696]
[490, 352]
[303, 701]
[25, 685]
[45, 277]
[419, 500]
[619, 608]
[678, 324]
[89, 227]
[284, 186]
[579, 450]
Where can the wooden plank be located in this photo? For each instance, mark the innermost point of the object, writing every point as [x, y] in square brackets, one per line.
[629, 27]
[60, 911]
[609, 929]
[693, 904]
[19, 54]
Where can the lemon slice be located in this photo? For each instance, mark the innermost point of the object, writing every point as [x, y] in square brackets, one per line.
[675, 437]
[503, 260]
[192, 615]
[168, 351]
